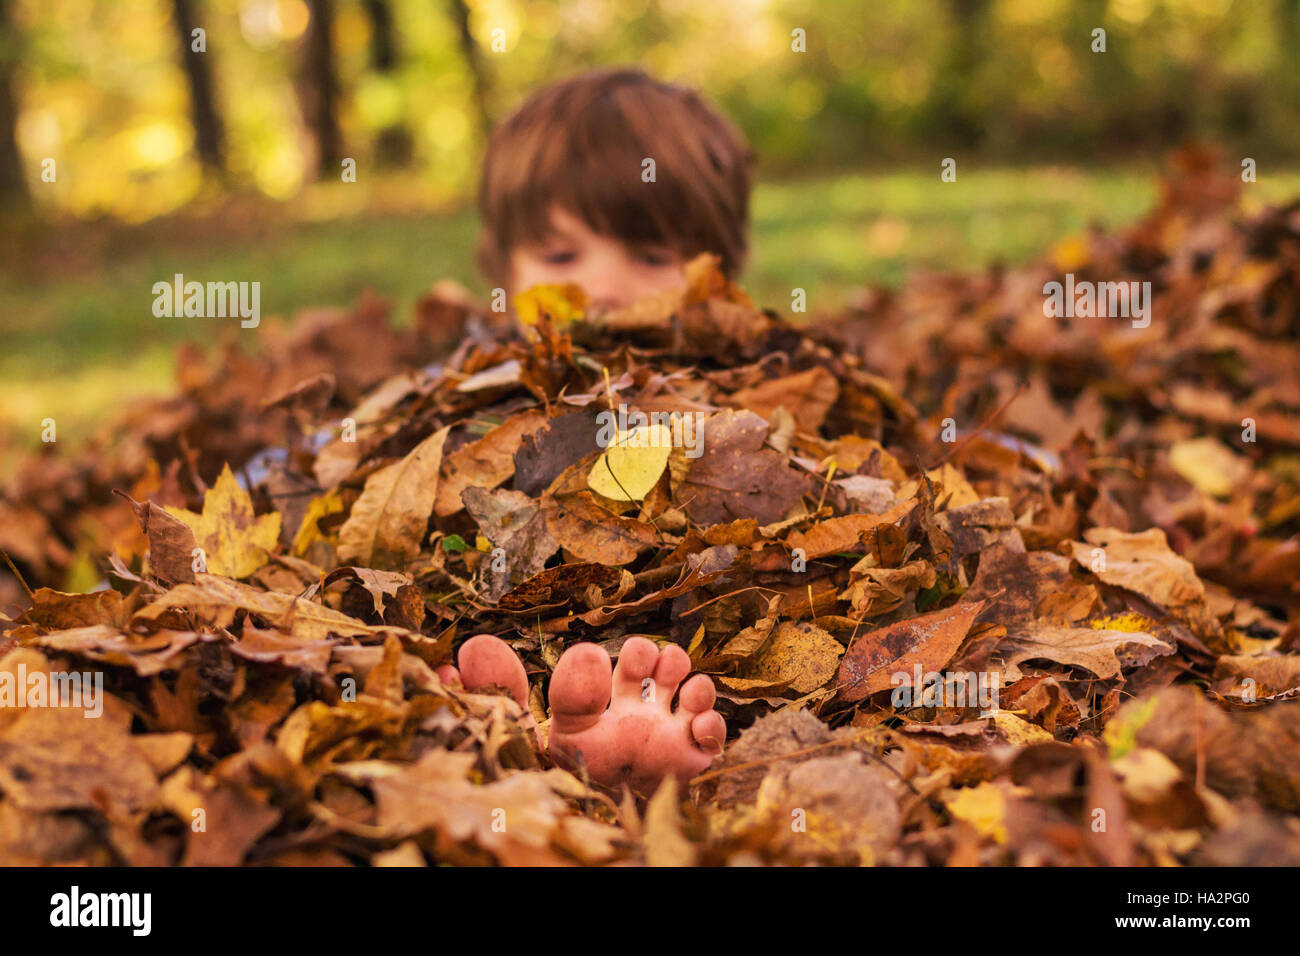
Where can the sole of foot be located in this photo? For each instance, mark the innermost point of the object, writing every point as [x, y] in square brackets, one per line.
[616, 721]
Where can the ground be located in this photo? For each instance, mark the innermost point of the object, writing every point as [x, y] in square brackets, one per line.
[80, 336]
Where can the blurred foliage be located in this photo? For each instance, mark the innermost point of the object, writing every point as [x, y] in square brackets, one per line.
[100, 87]
[80, 337]
[849, 136]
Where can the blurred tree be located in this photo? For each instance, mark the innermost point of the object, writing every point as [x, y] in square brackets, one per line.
[14, 196]
[318, 88]
[1288, 21]
[393, 145]
[209, 134]
[473, 62]
[953, 103]
[295, 84]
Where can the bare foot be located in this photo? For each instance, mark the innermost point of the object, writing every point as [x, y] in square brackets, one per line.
[620, 726]
[487, 661]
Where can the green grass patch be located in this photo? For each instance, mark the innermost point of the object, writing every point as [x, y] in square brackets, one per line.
[77, 346]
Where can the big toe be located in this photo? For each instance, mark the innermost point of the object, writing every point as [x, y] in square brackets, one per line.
[487, 661]
[580, 688]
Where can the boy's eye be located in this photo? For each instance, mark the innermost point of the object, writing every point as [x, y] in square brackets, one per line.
[655, 257]
[559, 257]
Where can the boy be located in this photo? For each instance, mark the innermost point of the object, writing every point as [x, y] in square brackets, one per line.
[612, 180]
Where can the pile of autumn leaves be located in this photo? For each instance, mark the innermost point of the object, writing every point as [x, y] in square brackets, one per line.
[270, 641]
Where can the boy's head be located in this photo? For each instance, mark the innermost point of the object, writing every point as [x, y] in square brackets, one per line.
[567, 195]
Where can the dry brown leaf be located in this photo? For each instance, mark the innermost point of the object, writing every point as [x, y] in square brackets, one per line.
[930, 640]
[484, 463]
[799, 655]
[387, 523]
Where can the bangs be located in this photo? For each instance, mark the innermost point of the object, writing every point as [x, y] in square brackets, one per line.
[591, 168]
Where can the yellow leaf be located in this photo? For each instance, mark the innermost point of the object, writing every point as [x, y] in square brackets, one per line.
[562, 303]
[1071, 253]
[697, 640]
[953, 487]
[1212, 468]
[632, 465]
[799, 653]
[665, 843]
[983, 807]
[1129, 622]
[1019, 732]
[235, 543]
[308, 533]
[1147, 775]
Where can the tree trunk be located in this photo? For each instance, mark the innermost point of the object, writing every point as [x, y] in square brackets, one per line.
[393, 146]
[319, 88]
[14, 196]
[951, 110]
[208, 133]
[1287, 13]
[473, 62]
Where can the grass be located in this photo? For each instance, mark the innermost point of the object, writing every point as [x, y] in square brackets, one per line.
[78, 339]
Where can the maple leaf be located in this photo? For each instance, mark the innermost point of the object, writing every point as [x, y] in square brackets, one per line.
[235, 542]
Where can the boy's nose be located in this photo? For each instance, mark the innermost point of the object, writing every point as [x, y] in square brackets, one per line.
[605, 303]
[606, 289]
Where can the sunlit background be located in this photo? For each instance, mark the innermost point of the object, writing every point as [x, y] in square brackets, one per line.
[227, 164]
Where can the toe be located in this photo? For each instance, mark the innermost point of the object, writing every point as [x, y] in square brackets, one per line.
[580, 689]
[697, 695]
[674, 664]
[636, 666]
[487, 661]
[709, 731]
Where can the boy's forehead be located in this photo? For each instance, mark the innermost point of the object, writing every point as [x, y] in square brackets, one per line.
[561, 222]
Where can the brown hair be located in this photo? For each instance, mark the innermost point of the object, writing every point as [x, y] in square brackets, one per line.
[580, 143]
